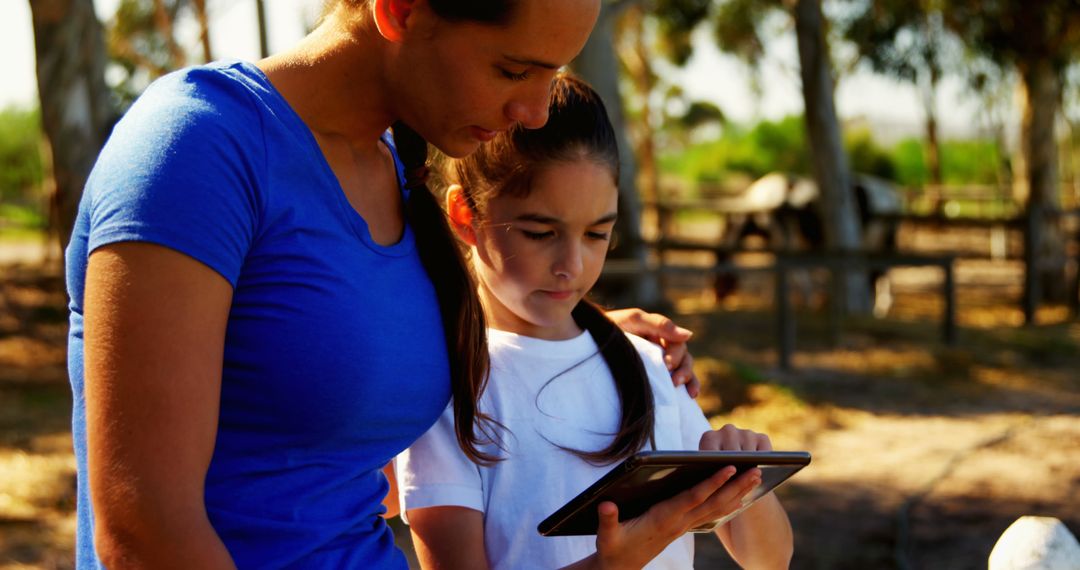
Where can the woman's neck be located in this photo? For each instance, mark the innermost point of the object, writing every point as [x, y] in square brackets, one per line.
[333, 79]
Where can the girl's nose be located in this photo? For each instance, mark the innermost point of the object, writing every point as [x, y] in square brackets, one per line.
[570, 264]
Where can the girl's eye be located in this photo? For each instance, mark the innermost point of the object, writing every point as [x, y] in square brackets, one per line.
[537, 235]
[515, 76]
[599, 236]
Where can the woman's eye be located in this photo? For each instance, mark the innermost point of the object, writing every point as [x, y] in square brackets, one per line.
[537, 235]
[515, 76]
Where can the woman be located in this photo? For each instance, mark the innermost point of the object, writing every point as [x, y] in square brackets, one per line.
[259, 307]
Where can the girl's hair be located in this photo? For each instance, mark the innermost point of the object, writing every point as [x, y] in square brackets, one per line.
[462, 314]
[578, 128]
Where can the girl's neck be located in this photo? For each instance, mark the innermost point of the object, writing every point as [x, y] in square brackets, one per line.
[501, 318]
[334, 80]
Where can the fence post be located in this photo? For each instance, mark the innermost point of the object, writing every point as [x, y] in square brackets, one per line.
[785, 321]
[1032, 237]
[949, 318]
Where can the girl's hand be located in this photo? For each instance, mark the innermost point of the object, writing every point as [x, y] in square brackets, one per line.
[633, 543]
[663, 331]
[731, 438]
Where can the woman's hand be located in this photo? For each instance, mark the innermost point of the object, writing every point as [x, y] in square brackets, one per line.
[663, 331]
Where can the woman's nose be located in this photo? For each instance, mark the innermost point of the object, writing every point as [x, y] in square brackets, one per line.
[530, 109]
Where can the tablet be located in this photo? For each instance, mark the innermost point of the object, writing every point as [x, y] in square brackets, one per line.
[650, 477]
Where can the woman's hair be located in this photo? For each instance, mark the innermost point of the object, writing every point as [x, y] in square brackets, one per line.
[462, 314]
[578, 128]
[483, 11]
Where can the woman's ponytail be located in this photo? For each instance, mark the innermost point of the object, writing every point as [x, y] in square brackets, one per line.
[462, 314]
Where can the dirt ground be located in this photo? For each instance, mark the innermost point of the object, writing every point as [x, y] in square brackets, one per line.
[922, 454]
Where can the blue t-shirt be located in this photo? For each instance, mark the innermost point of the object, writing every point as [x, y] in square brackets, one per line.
[335, 358]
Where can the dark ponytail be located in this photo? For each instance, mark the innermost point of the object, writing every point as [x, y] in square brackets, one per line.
[462, 314]
[637, 420]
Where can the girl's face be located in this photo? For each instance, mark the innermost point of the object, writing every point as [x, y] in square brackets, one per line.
[537, 256]
[460, 83]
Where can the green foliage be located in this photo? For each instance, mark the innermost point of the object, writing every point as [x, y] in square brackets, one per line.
[21, 168]
[962, 162]
[865, 156]
[772, 146]
[768, 146]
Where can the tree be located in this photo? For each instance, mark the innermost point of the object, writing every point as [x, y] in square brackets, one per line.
[905, 39]
[736, 26]
[77, 110]
[839, 211]
[598, 65]
[1040, 38]
[141, 43]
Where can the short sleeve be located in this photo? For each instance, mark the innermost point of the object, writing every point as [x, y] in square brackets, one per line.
[435, 472]
[181, 170]
[692, 421]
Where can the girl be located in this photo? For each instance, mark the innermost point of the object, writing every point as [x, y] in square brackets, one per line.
[249, 235]
[569, 394]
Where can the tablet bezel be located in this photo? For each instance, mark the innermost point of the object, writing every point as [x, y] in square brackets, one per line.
[569, 519]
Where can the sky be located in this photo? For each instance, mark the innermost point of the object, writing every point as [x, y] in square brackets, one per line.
[892, 107]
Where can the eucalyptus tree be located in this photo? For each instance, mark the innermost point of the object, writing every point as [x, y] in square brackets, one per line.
[905, 39]
[598, 64]
[77, 109]
[1040, 39]
[738, 29]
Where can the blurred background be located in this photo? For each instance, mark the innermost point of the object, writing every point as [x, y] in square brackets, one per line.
[867, 211]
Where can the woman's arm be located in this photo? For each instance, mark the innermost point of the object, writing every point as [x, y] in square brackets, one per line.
[448, 538]
[761, 536]
[154, 338]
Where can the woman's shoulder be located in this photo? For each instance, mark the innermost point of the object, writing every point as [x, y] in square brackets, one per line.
[222, 96]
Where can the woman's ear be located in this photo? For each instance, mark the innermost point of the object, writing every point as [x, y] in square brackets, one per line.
[391, 17]
[461, 214]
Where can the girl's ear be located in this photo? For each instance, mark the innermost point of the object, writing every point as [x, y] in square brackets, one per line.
[391, 17]
[460, 214]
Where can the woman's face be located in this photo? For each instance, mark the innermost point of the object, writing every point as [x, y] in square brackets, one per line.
[460, 83]
[537, 256]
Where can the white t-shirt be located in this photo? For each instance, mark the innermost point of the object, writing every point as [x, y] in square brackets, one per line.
[545, 393]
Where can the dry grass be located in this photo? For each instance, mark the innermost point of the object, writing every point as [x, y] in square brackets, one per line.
[923, 453]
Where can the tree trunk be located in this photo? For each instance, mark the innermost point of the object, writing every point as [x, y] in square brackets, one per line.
[260, 16]
[204, 29]
[838, 211]
[598, 64]
[163, 21]
[933, 147]
[1044, 242]
[76, 105]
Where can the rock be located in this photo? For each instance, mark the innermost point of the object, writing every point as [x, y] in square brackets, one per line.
[1036, 543]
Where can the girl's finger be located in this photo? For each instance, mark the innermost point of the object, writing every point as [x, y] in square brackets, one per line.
[728, 498]
[608, 529]
[695, 496]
